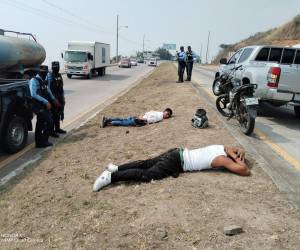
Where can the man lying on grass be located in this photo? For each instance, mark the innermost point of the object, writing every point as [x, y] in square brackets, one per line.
[147, 118]
[174, 162]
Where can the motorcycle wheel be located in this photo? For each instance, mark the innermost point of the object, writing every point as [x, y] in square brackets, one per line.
[246, 121]
[216, 87]
[221, 104]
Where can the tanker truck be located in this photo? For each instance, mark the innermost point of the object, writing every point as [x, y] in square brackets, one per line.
[20, 55]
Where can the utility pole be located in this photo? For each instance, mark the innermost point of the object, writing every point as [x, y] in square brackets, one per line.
[117, 52]
[201, 52]
[206, 57]
[143, 45]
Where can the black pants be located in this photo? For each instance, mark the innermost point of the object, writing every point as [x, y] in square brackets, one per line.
[189, 69]
[162, 166]
[44, 124]
[56, 115]
[181, 68]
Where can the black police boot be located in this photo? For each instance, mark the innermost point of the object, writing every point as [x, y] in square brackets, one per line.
[54, 135]
[61, 131]
[44, 145]
[57, 128]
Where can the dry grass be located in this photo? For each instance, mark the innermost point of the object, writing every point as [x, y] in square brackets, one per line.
[54, 203]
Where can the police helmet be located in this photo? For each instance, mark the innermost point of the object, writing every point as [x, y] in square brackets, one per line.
[55, 65]
[44, 68]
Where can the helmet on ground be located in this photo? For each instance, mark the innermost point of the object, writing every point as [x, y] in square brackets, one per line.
[200, 119]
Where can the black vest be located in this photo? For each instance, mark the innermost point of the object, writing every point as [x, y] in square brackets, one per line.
[43, 90]
[57, 87]
[189, 56]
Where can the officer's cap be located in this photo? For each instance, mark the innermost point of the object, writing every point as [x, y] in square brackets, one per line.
[55, 64]
[44, 68]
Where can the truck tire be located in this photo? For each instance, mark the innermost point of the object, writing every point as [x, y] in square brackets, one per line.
[297, 110]
[101, 72]
[15, 135]
[69, 76]
[216, 87]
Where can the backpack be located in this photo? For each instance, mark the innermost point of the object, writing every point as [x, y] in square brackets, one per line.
[200, 119]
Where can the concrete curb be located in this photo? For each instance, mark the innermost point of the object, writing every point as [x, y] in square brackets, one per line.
[24, 161]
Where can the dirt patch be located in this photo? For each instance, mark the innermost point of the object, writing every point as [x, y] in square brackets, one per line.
[54, 203]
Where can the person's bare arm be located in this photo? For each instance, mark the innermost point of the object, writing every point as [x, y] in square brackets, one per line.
[238, 166]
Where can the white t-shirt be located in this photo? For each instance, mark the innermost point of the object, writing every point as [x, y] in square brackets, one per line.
[201, 158]
[153, 116]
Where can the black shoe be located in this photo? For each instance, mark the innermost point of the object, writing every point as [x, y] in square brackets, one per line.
[54, 135]
[61, 131]
[44, 145]
[104, 122]
[179, 81]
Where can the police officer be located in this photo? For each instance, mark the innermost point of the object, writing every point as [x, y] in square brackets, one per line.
[181, 58]
[189, 63]
[42, 98]
[56, 85]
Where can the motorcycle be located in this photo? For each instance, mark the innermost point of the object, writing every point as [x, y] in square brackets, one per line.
[239, 102]
[223, 83]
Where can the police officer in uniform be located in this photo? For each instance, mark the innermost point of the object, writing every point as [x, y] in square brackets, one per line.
[56, 85]
[189, 63]
[42, 98]
[181, 58]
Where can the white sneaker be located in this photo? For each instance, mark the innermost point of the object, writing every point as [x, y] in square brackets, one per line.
[112, 168]
[103, 180]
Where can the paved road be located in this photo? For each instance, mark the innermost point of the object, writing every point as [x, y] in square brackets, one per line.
[274, 143]
[280, 125]
[83, 94]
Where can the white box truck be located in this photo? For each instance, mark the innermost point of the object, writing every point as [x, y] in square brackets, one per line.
[86, 58]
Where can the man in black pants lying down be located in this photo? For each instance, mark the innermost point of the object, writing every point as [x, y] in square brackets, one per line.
[174, 162]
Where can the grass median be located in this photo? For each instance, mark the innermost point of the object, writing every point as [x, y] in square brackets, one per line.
[55, 206]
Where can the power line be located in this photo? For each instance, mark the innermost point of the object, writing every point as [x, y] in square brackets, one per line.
[58, 19]
[76, 16]
[50, 15]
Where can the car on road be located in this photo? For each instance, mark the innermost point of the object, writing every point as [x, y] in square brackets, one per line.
[140, 60]
[133, 62]
[152, 62]
[275, 70]
[15, 114]
[125, 63]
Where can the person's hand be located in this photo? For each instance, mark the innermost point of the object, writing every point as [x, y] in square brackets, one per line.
[241, 154]
[48, 105]
[56, 103]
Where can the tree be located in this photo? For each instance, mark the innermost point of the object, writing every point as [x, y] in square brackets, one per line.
[139, 54]
[225, 46]
[163, 54]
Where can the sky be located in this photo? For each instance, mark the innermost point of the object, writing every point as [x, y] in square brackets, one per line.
[55, 22]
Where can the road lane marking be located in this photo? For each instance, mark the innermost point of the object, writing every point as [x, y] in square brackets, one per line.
[279, 150]
[263, 137]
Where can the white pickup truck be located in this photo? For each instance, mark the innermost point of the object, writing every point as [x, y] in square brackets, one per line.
[276, 71]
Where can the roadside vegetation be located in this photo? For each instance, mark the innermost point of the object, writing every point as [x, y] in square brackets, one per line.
[285, 35]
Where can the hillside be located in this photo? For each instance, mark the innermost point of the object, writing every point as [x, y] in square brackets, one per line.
[287, 35]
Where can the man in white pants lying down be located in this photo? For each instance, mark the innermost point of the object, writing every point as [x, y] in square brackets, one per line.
[174, 162]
